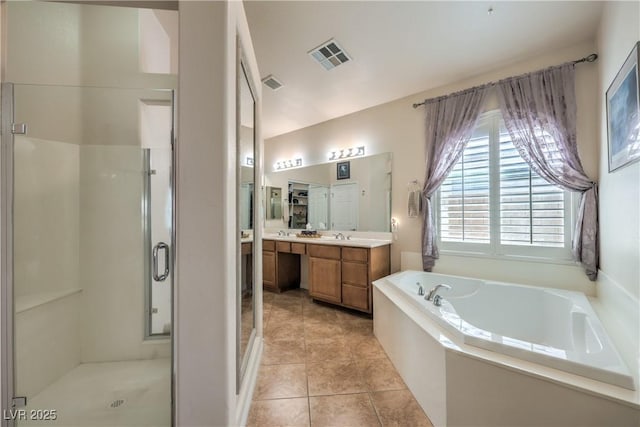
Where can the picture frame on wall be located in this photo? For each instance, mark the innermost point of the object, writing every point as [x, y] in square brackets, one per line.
[343, 170]
[623, 114]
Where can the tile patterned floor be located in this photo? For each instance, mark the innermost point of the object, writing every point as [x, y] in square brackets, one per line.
[322, 366]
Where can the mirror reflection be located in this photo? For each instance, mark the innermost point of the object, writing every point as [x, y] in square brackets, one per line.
[274, 202]
[245, 188]
[350, 195]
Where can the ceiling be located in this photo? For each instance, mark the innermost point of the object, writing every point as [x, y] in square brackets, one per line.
[397, 48]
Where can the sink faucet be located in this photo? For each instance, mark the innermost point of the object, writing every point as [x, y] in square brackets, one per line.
[340, 236]
[282, 233]
[432, 295]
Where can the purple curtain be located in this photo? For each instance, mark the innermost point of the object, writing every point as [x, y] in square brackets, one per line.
[539, 111]
[450, 124]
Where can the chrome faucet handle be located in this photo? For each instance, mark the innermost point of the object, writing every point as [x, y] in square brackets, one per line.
[437, 300]
[432, 293]
[420, 289]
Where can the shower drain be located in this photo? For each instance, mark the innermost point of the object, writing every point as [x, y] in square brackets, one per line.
[117, 403]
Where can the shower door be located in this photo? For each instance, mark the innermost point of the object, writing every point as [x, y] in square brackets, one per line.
[88, 232]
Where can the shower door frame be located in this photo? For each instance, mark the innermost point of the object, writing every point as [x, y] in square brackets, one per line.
[6, 249]
[7, 311]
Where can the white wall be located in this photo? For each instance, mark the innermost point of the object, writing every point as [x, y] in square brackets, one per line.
[619, 190]
[396, 127]
[205, 340]
[46, 216]
[619, 278]
[205, 261]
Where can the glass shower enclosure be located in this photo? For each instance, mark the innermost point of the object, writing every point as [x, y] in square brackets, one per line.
[88, 238]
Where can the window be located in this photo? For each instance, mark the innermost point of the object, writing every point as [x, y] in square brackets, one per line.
[492, 203]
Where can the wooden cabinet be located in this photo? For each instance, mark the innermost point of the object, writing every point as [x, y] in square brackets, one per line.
[269, 270]
[355, 278]
[324, 279]
[343, 275]
[337, 274]
[280, 267]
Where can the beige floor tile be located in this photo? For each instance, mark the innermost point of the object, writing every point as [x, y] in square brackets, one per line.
[287, 298]
[380, 375]
[319, 315]
[314, 349]
[365, 347]
[398, 408]
[280, 330]
[281, 381]
[279, 352]
[334, 378]
[286, 314]
[319, 330]
[327, 349]
[311, 306]
[279, 412]
[354, 410]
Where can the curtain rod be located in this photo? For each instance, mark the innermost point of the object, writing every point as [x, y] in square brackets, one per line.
[588, 58]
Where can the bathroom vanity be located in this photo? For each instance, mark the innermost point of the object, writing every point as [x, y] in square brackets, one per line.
[340, 271]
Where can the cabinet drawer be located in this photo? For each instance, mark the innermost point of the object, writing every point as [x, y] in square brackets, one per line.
[322, 251]
[355, 273]
[355, 296]
[298, 248]
[283, 246]
[269, 245]
[355, 254]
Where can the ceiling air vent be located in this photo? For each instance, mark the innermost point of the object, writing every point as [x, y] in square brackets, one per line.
[330, 54]
[272, 82]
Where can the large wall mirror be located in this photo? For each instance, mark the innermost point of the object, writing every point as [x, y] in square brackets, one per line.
[246, 179]
[350, 195]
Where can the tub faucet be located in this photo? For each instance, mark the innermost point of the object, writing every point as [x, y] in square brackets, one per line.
[432, 293]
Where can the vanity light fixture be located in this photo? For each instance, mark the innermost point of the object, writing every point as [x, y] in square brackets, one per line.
[347, 152]
[287, 164]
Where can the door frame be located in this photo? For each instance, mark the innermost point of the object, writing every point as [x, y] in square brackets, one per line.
[6, 250]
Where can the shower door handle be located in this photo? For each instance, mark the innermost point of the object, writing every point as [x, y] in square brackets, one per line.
[157, 277]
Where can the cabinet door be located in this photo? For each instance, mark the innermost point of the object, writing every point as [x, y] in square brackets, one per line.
[355, 297]
[324, 279]
[269, 270]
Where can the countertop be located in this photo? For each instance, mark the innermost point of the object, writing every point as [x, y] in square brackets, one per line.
[357, 242]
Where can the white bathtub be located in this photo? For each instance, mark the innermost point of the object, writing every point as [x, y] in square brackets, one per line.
[551, 327]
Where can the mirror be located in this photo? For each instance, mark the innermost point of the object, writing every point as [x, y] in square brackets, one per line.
[348, 195]
[273, 202]
[245, 179]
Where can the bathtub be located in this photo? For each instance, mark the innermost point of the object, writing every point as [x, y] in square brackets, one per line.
[550, 327]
